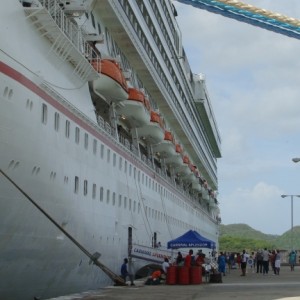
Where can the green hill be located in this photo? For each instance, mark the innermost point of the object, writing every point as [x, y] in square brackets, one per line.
[284, 241]
[235, 237]
[245, 231]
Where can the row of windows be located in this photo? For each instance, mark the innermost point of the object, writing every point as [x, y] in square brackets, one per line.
[124, 202]
[117, 161]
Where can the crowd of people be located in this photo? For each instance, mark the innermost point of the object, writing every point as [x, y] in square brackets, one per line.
[262, 261]
[188, 261]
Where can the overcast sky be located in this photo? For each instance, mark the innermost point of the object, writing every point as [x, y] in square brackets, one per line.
[253, 79]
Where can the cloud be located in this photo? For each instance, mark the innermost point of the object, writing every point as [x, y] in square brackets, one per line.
[257, 207]
[253, 80]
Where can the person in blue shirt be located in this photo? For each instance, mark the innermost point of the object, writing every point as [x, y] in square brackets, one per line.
[292, 260]
[125, 273]
[222, 263]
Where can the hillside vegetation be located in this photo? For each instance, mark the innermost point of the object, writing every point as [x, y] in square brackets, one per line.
[236, 237]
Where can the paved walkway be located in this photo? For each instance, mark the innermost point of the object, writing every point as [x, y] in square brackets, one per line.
[252, 286]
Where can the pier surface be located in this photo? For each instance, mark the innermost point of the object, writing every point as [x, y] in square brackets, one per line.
[253, 286]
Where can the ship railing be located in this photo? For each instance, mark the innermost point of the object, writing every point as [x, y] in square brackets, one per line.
[127, 144]
[68, 40]
[101, 122]
[107, 128]
[134, 150]
[144, 158]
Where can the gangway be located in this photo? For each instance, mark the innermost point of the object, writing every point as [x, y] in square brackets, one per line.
[250, 14]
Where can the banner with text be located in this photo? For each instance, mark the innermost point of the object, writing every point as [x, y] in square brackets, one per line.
[151, 254]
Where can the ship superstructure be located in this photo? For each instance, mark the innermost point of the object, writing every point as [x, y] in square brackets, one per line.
[104, 124]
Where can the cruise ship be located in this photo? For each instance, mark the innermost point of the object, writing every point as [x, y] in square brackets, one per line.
[108, 142]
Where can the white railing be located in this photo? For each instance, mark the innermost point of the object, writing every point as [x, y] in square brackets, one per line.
[66, 36]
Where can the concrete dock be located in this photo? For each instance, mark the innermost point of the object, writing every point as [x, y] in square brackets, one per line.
[234, 286]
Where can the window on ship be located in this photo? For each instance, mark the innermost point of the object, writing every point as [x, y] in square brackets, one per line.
[86, 140]
[77, 135]
[44, 114]
[67, 132]
[94, 190]
[56, 121]
[85, 187]
[76, 184]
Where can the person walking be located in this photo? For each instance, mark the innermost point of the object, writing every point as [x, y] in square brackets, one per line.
[272, 260]
[277, 262]
[125, 273]
[292, 259]
[265, 261]
[222, 263]
[239, 260]
[259, 261]
[244, 260]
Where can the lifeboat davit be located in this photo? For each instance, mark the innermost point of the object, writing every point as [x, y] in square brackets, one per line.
[196, 183]
[136, 108]
[153, 132]
[196, 186]
[112, 83]
[175, 159]
[205, 194]
[192, 175]
[167, 146]
[184, 169]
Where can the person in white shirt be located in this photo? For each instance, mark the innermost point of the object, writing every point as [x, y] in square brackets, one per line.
[277, 262]
[266, 257]
[165, 265]
[245, 257]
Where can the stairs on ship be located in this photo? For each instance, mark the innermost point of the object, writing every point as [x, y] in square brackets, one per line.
[66, 38]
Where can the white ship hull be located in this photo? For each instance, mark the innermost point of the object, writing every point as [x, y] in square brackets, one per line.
[96, 188]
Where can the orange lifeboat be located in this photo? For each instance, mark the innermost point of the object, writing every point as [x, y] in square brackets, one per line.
[167, 146]
[153, 132]
[136, 108]
[112, 83]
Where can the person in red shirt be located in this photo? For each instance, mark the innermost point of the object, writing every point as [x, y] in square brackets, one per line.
[188, 259]
[154, 279]
[200, 258]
